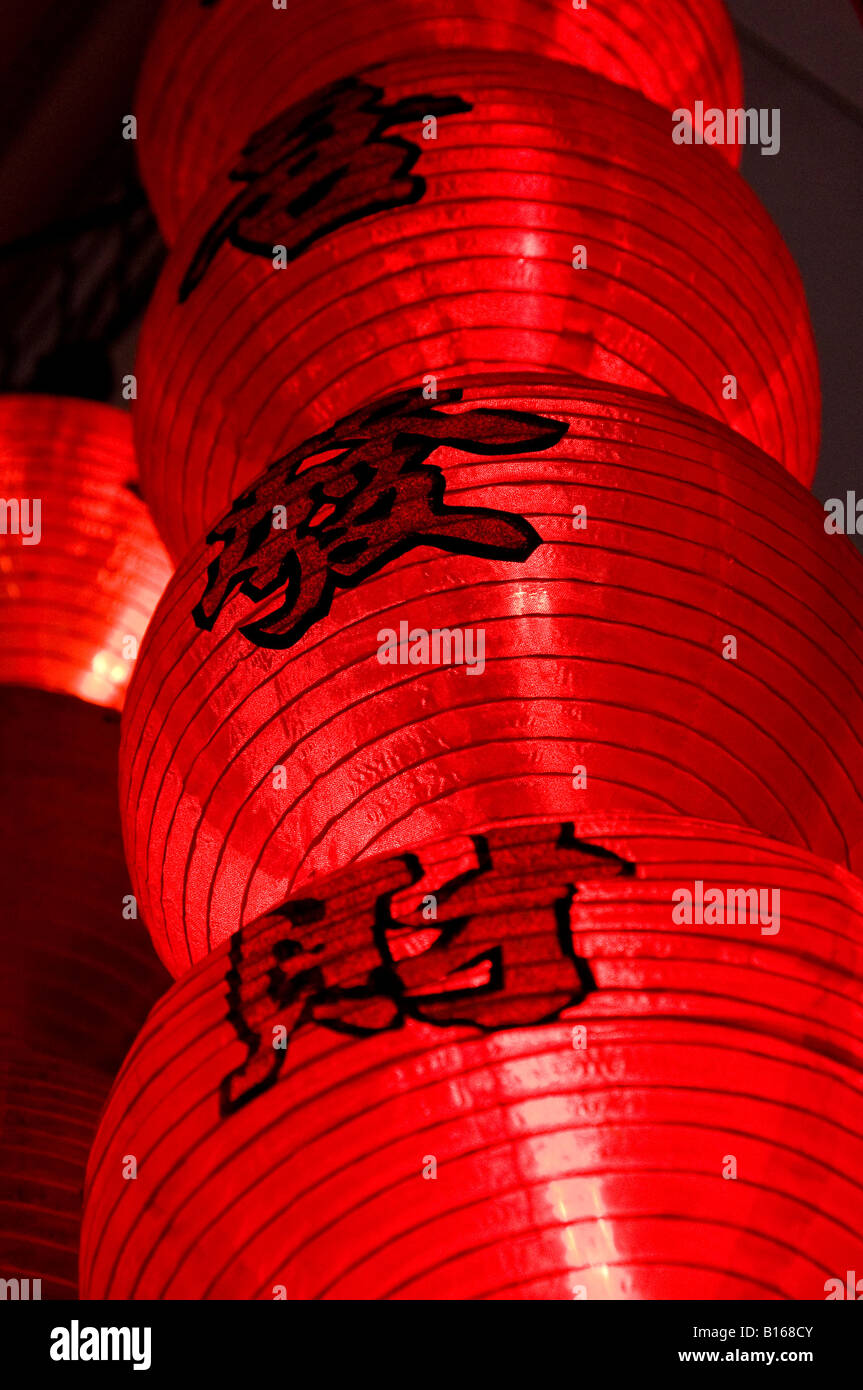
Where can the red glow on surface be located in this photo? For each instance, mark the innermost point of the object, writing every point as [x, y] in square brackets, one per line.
[478, 414]
[604, 648]
[74, 604]
[563, 1162]
[462, 263]
[213, 75]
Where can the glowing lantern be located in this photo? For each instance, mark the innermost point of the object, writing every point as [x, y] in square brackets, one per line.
[614, 1059]
[81, 566]
[516, 598]
[453, 213]
[214, 72]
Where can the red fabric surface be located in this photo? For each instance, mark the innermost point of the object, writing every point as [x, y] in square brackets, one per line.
[213, 73]
[409, 257]
[565, 1161]
[603, 649]
[69, 602]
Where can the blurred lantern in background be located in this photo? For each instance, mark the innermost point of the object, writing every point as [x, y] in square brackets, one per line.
[624, 622]
[49, 1107]
[379, 1113]
[452, 213]
[78, 974]
[81, 566]
[215, 72]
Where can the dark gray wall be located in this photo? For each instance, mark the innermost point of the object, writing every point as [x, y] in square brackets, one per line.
[806, 57]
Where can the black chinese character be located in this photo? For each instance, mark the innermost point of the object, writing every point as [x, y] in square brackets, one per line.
[493, 962]
[355, 498]
[317, 166]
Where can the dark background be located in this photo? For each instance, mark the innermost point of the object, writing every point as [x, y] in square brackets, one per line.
[79, 251]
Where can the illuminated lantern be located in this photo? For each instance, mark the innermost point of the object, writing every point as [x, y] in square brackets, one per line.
[550, 223]
[516, 599]
[609, 1059]
[81, 566]
[216, 71]
[49, 1108]
[79, 972]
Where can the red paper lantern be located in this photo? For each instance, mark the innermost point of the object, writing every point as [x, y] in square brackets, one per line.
[49, 1108]
[79, 972]
[552, 223]
[666, 628]
[81, 566]
[214, 72]
[507, 1066]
